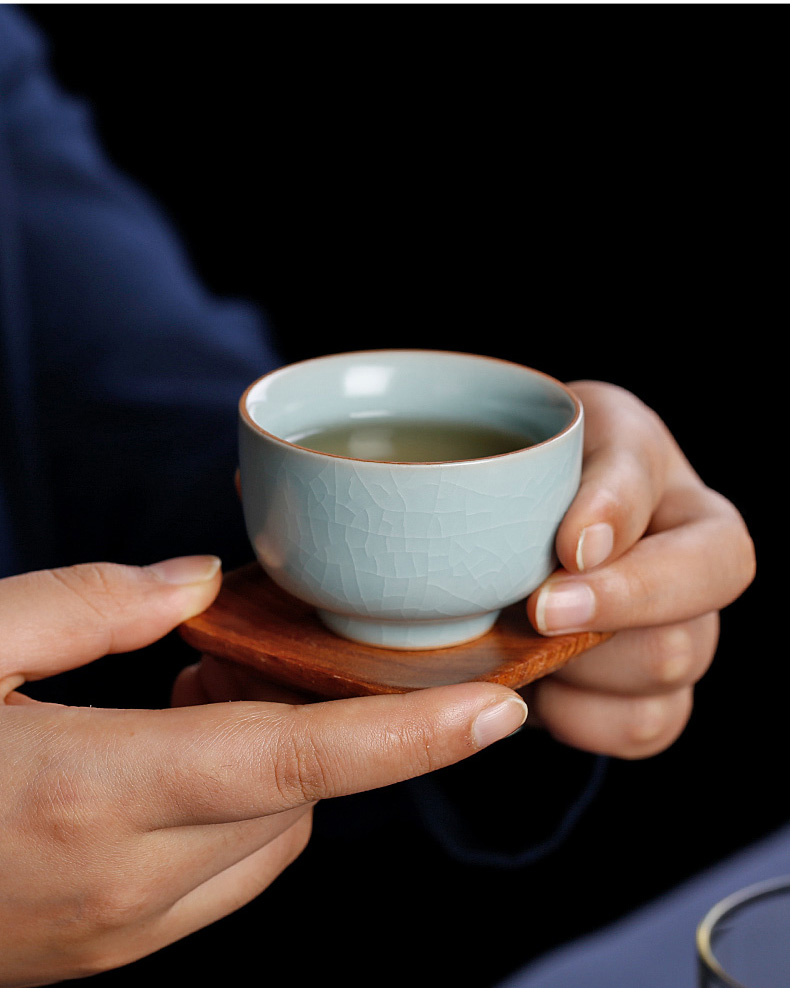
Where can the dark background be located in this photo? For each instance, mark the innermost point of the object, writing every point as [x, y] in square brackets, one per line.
[378, 178]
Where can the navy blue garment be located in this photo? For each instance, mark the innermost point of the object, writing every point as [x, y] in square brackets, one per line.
[120, 373]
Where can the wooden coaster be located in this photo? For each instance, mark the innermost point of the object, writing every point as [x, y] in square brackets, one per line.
[254, 622]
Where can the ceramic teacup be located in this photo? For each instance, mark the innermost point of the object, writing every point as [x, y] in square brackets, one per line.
[407, 555]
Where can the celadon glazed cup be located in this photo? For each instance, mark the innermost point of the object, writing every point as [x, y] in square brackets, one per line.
[407, 555]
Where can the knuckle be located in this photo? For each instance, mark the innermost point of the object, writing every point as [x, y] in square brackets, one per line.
[63, 812]
[309, 766]
[98, 894]
[69, 819]
[742, 562]
[746, 556]
[672, 662]
[96, 597]
[196, 792]
[302, 768]
[92, 917]
[645, 722]
[654, 723]
[97, 920]
[95, 585]
[99, 941]
[112, 904]
[417, 748]
[609, 500]
[635, 585]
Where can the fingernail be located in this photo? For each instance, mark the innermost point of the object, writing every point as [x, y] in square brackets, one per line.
[564, 606]
[595, 546]
[498, 721]
[186, 569]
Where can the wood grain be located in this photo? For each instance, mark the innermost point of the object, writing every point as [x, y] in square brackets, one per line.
[254, 622]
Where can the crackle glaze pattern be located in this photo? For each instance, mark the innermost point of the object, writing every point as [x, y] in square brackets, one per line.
[407, 555]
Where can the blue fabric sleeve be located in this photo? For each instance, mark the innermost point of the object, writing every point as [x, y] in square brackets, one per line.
[137, 367]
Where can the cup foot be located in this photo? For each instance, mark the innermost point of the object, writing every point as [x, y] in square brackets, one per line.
[411, 635]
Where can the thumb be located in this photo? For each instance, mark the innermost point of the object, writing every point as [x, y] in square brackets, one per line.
[58, 619]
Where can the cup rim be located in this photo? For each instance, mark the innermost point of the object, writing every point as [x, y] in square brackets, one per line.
[256, 427]
[707, 924]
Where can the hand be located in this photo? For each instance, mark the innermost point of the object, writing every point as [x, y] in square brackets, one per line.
[124, 830]
[651, 553]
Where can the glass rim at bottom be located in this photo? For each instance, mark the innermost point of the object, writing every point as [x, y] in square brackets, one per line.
[716, 913]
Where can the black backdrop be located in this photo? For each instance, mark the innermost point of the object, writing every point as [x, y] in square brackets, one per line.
[369, 178]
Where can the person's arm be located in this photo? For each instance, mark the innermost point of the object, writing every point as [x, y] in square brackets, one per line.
[135, 366]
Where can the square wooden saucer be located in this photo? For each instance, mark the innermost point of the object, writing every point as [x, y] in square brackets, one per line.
[254, 622]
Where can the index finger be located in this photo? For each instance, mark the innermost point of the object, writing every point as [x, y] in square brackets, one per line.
[226, 762]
